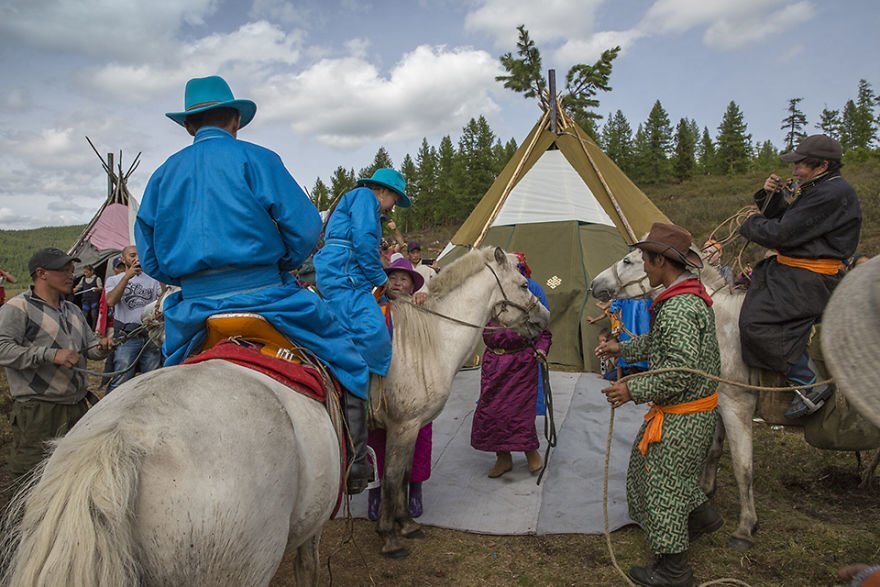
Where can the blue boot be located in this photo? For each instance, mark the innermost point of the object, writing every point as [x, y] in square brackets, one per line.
[415, 500]
[374, 498]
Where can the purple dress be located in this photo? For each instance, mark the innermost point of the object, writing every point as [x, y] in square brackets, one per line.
[504, 420]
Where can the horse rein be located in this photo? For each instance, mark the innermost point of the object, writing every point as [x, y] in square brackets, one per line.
[621, 285]
[503, 305]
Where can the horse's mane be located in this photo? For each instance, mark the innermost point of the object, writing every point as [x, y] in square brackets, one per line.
[413, 330]
[453, 276]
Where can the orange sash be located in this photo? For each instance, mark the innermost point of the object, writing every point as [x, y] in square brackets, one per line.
[654, 418]
[823, 266]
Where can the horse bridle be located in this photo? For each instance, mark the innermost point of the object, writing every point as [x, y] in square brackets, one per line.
[621, 285]
[502, 305]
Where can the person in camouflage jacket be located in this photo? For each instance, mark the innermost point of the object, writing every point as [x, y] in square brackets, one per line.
[669, 453]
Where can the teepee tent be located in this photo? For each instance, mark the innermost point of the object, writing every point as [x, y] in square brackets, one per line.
[566, 205]
[109, 230]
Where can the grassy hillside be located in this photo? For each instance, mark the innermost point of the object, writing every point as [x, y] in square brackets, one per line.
[17, 246]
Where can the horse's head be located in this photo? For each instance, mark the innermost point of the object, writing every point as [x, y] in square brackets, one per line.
[626, 279]
[514, 306]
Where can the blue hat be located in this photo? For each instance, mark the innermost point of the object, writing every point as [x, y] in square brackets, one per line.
[205, 93]
[391, 179]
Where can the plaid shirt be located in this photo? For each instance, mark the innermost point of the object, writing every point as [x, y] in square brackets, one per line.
[31, 331]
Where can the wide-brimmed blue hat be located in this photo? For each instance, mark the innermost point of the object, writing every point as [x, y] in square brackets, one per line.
[206, 93]
[391, 179]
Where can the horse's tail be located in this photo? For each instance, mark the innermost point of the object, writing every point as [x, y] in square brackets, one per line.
[71, 525]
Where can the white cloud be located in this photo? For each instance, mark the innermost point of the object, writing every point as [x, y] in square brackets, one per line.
[546, 21]
[10, 217]
[730, 24]
[243, 53]
[589, 50]
[283, 11]
[347, 102]
[125, 29]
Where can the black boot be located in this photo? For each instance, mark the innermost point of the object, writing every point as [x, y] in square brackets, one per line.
[670, 570]
[360, 473]
[705, 519]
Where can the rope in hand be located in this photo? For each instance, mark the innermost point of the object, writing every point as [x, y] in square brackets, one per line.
[124, 338]
[607, 531]
[549, 421]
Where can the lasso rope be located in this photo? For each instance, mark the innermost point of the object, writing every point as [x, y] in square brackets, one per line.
[724, 580]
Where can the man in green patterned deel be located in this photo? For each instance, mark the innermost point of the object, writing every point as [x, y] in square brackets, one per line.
[662, 485]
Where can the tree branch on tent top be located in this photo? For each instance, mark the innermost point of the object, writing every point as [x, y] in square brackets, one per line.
[582, 83]
[525, 76]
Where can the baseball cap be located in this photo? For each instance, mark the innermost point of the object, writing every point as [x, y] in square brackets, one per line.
[815, 146]
[413, 246]
[49, 258]
[118, 261]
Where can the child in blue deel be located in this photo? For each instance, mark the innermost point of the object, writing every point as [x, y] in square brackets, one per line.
[348, 267]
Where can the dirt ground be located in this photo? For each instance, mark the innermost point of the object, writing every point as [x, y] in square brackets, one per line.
[813, 519]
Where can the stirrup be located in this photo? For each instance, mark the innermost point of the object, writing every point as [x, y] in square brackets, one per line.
[812, 407]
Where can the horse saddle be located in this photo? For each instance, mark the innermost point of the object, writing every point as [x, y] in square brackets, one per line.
[252, 328]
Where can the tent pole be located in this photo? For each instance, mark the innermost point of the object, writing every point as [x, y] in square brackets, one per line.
[511, 181]
[614, 202]
[553, 104]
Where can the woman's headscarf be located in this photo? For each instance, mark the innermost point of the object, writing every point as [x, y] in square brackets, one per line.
[522, 265]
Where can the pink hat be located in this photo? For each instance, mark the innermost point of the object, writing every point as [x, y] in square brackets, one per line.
[405, 265]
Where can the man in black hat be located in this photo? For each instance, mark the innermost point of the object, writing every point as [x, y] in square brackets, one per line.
[43, 338]
[813, 229]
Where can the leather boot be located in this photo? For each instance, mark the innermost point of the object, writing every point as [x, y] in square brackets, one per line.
[670, 570]
[373, 501]
[415, 500]
[503, 463]
[704, 519]
[534, 460]
[360, 473]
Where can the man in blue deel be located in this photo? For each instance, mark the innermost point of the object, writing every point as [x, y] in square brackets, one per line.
[349, 266]
[225, 221]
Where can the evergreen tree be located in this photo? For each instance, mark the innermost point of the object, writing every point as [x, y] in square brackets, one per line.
[617, 140]
[733, 150]
[848, 124]
[794, 124]
[502, 153]
[767, 158]
[380, 160]
[864, 127]
[475, 153]
[829, 123]
[341, 181]
[706, 154]
[320, 195]
[582, 82]
[684, 161]
[641, 153]
[658, 134]
[426, 181]
[449, 178]
[404, 216]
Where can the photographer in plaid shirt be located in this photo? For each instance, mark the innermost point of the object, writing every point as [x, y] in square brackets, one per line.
[42, 337]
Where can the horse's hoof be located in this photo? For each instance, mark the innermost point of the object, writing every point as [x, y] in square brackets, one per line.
[739, 544]
[416, 535]
[410, 529]
[396, 554]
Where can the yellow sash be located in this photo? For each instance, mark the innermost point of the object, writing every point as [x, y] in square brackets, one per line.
[654, 418]
[823, 266]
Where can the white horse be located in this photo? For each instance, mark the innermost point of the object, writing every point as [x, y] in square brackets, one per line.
[206, 474]
[627, 279]
[428, 349]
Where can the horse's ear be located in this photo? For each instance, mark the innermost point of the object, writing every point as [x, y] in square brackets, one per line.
[500, 256]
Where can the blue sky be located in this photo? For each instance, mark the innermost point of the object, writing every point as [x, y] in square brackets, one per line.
[335, 80]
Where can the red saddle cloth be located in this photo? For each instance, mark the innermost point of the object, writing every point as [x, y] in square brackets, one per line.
[301, 378]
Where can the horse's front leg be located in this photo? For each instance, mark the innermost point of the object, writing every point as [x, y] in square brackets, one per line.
[710, 472]
[737, 414]
[394, 518]
[305, 565]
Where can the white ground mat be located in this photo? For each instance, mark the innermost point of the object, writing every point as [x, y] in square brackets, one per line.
[460, 496]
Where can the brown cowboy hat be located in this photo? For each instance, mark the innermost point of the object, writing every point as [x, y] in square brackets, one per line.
[671, 241]
[851, 337]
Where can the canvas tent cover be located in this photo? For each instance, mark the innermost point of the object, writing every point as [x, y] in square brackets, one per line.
[565, 204]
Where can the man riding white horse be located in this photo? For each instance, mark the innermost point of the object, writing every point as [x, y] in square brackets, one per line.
[225, 221]
[813, 234]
